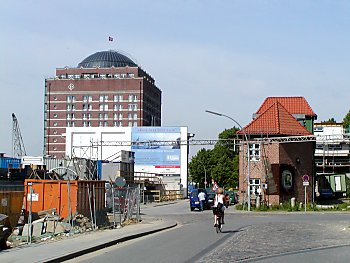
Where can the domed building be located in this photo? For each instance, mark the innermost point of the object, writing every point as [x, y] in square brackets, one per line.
[106, 89]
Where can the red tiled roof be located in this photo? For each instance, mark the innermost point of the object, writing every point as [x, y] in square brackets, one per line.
[294, 105]
[275, 120]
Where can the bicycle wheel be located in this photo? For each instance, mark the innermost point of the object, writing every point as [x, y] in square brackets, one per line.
[218, 225]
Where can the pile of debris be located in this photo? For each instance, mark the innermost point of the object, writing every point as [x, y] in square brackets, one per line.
[4, 232]
[49, 226]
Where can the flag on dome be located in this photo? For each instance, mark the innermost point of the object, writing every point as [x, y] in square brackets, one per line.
[110, 38]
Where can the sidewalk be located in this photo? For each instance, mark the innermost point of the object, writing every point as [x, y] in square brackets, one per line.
[77, 245]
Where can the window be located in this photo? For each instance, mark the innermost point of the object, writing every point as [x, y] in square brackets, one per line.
[135, 124]
[117, 123]
[334, 147]
[84, 123]
[85, 98]
[89, 116]
[89, 123]
[118, 98]
[318, 129]
[100, 116]
[105, 124]
[54, 140]
[106, 116]
[120, 116]
[132, 97]
[130, 116]
[254, 152]
[84, 116]
[55, 115]
[255, 187]
[132, 107]
[130, 124]
[117, 107]
[115, 116]
[73, 116]
[100, 124]
[68, 116]
[87, 107]
[135, 116]
[103, 107]
[103, 98]
[55, 124]
[68, 108]
[70, 99]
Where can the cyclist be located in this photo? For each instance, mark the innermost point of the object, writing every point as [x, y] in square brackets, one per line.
[219, 205]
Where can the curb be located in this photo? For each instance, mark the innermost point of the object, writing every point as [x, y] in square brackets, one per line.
[108, 244]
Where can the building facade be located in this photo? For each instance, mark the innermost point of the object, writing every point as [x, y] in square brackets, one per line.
[107, 89]
[332, 159]
[280, 153]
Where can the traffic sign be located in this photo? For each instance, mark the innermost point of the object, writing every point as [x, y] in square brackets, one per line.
[306, 178]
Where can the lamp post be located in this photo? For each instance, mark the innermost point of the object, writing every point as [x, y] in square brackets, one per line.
[205, 175]
[248, 153]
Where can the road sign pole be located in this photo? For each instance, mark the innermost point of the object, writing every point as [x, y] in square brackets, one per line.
[305, 197]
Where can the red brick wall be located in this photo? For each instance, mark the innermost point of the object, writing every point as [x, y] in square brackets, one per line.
[296, 156]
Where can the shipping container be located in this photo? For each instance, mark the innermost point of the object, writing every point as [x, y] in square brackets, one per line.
[79, 196]
[8, 162]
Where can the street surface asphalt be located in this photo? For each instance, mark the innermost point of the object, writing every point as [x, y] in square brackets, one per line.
[169, 232]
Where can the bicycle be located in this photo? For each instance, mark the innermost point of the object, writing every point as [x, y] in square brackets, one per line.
[218, 224]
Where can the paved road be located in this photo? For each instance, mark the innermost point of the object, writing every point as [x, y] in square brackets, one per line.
[247, 237]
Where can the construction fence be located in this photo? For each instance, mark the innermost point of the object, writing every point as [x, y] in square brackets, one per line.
[123, 204]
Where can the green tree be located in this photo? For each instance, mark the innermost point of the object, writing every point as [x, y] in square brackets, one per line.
[346, 121]
[330, 121]
[221, 163]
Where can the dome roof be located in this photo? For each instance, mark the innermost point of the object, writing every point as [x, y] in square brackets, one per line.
[106, 59]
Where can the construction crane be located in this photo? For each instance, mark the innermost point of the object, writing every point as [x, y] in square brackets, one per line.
[18, 149]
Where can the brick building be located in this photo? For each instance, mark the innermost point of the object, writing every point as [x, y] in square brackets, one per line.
[276, 168]
[107, 89]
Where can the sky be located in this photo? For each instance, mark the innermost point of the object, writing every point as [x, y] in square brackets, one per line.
[225, 55]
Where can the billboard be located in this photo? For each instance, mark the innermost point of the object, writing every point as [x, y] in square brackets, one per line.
[157, 149]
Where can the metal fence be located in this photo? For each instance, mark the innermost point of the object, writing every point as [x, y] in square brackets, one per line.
[123, 204]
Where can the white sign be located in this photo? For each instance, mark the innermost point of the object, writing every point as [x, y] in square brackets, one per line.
[35, 197]
[4, 202]
[306, 183]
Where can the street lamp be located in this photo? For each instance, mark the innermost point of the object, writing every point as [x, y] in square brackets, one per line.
[248, 157]
[205, 175]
